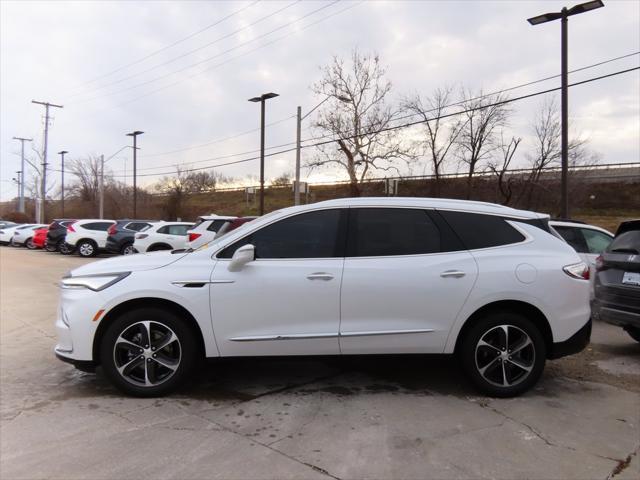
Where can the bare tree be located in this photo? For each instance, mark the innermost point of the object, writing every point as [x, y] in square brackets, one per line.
[283, 180]
[440, 135]
[182, 184]
[500, 168]
[483, 117]
[87, 173]
[357, 118]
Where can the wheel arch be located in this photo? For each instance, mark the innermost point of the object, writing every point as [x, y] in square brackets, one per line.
[145, 302]
[530, 311]
[153, 247]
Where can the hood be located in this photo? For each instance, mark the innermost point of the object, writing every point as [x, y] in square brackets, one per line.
[130, 263]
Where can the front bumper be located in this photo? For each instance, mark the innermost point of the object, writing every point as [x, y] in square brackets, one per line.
[88, 366]
[574, 344]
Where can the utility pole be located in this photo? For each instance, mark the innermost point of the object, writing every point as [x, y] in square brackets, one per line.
[101, 187]
[21, 192]
[43, 187]
[62, 153]
[19, 182]
[296, 186]
[135, 186]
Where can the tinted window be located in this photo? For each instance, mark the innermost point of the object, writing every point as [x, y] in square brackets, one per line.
[174, 229]
[628, 242]
[597, 242]
[574, 237]
[482, 231]
[137, 226]
[377, 232]
[216, 224]
[97, 226]
[308, 235]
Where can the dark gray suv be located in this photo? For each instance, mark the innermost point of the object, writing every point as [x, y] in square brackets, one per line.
[617, 282]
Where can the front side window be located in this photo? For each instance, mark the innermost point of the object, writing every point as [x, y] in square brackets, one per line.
[375, 232]
[307, 235]
[477, 230]
[597, 242]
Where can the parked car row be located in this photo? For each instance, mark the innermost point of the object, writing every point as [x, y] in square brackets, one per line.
[90, 237]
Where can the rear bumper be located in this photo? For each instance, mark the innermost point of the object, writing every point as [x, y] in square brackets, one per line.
[574, 344]
[615, 316]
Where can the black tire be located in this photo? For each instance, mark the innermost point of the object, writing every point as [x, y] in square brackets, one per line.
[29, 244]
[129, 326]
[634, 332]
[490, 367]
[127, 249]
[65, 249]
[50, 248]
[87, 248]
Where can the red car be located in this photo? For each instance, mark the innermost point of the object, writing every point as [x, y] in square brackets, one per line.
[39, 237]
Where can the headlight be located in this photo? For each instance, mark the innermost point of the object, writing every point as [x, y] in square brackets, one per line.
[93, 282]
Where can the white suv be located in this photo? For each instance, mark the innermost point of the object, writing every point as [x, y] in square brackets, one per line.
[162, 236]
[206, 229]
[88, 237]
[350, 276]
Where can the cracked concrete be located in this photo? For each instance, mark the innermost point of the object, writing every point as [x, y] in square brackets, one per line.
[367, 417]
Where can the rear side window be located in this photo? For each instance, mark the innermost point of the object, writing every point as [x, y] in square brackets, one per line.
[216, 224]
[574, 237]
[482, 231]
[137, 226]
[174, 229]
[376, 232]
[597, 242]
[97, 226]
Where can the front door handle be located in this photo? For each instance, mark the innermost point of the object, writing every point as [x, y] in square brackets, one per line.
[320, 276]
[452, 273]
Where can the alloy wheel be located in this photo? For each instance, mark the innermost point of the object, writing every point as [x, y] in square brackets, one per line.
[128, 250]
[147, 353]
[29, 244]
[86, 249]
[505, 356]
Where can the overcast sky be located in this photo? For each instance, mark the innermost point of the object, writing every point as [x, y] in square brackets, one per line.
[90, 57]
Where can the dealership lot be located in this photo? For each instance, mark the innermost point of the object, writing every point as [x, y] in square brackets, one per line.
[412, 417]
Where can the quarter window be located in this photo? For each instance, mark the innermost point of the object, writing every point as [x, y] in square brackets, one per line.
[574, 237]
[216, 224]
[308, 235]
[375, 232]
[482, 231]
[597, 242]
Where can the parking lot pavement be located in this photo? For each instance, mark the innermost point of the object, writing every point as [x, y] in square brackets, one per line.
[373, 417]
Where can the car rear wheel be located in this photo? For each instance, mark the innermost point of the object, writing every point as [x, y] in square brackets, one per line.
[148, 352]
[634, 332]
[87, 248]
[29, 244]
[65, 249]
[49, 247]
[503, 354]
[127, 249]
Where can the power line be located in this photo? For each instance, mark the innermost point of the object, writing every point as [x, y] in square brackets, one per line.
[593, 65]
[154, 53]
[405, 125]
[179, 57]
[288, 24]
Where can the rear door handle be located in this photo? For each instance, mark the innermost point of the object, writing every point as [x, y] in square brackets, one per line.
[320, 276]
[452, 273]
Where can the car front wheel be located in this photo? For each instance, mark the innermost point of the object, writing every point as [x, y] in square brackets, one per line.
[503, 354]
[148, 352]
[86, 248]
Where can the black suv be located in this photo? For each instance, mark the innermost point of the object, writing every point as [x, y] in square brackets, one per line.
[122, 233]
[617, 282]
[56, 235]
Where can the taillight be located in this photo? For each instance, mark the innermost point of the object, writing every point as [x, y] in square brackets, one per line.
[70, 228]
[112, 230]
[194, 236]
[599, 263]
[140, 236]
[577, 270]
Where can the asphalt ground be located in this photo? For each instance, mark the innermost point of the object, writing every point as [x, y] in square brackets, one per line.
[356, 418]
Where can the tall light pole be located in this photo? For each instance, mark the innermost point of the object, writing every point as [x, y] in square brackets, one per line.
[135, 186]
[43, 186]
[296, 185]
[563, 16]
[62, 154]
[21, 192]
[101, 185]
[262, 99]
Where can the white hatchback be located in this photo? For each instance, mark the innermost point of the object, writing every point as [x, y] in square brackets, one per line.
[162, 236]
[89, 236]
[350, 276]
[205, 229]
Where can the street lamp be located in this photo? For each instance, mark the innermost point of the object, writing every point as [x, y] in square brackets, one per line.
[62, 154]
[296, 185]
[135, 189]
[262, 98]
[563, 15]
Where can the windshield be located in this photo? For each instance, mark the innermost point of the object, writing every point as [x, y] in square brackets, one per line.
[241, 228]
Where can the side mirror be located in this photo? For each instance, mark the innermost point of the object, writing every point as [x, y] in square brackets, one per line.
[242, 256]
